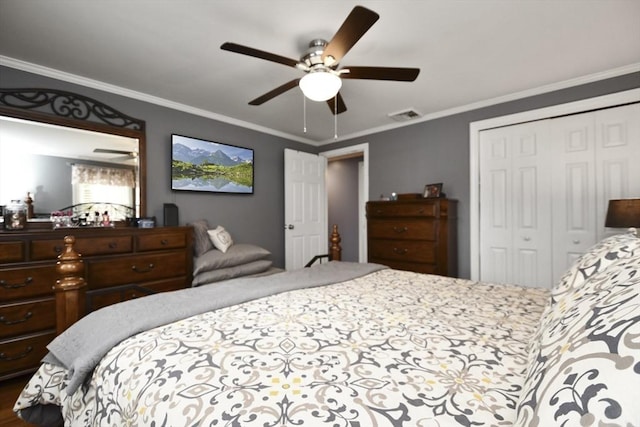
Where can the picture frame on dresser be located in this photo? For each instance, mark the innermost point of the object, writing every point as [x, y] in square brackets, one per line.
[432, 191]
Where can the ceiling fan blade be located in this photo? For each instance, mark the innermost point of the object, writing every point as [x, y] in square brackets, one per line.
[353, 28]
[275, 92]
[381, 73]
[245, 50]
[341, 105]
[111, 151]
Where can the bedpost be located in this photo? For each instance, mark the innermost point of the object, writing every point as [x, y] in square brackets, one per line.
[70, 289]
[335, 252]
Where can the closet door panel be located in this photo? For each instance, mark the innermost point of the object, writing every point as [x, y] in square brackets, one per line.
[574, 189]
[495, 198]
[617, 153]
[531, 201]
[515, 221]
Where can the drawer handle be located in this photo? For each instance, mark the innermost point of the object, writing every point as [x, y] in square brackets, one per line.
[6, 358]
[400, 251]
[113, 245]
[13, 322]
[16, 285]
[378, 211]
[164, 242]
[57, 249]
[146, 270]
[400, 229]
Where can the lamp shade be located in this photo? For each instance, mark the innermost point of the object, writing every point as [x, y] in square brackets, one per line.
[320, 85]
[623, 213]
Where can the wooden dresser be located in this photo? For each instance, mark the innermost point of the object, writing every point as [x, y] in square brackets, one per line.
[119, 264]
[416, 235]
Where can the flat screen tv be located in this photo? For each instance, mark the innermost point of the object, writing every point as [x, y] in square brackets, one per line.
[201, 165]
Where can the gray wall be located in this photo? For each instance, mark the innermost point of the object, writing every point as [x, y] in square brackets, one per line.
[342, 191]
[257, 218]
[401, 160]
[405, 159]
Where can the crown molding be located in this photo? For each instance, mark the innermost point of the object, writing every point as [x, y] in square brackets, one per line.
[565, 84]
[106, 87]
[140, 96]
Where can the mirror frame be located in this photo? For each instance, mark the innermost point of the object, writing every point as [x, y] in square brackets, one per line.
[73, 110]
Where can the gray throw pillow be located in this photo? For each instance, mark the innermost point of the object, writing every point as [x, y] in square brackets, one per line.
[201, 241]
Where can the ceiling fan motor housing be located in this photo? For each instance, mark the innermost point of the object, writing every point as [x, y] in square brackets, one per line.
[313, 55]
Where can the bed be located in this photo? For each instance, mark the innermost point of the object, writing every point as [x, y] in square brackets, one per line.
[346, 344]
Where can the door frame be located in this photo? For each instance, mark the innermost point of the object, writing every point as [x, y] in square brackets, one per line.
[363, 190]
[615, 99]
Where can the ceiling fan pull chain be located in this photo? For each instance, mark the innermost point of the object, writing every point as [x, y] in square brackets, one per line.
[304, 113]
[335, 117]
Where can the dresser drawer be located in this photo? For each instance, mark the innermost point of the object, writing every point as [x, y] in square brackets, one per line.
[157, 241]
[50, 249]
[11, 252]
[403, 250]
[402, 229]
[400, 209]
[26, 282]
[25, 317]
[136, 269]
[24, 353]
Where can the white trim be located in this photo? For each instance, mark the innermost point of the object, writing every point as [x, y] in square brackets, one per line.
[95, 84]
[475, 128]
[357, 149]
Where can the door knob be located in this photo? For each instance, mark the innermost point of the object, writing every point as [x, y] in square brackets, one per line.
[289, 226]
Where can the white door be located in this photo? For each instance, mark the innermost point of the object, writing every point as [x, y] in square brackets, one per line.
[306, 232]
[545, 187]
[515, 221]
[574, 189]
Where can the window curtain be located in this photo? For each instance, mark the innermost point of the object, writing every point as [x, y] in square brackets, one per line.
[99, 175]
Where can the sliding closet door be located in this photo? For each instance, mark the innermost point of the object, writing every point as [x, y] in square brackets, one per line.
[515, 222]
[545, 187]
[595, 159]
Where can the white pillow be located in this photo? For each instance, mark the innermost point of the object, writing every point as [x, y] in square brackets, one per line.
[220, 238]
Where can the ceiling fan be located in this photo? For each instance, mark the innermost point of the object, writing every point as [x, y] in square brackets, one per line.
[320, 63]
[124, 154]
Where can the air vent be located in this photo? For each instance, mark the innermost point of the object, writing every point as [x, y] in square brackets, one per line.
[405, 115]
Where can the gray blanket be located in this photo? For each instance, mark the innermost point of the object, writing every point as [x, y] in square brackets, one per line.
[80, 348]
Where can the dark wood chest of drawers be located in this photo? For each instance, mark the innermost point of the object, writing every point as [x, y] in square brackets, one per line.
[119, 264]
[416, 235]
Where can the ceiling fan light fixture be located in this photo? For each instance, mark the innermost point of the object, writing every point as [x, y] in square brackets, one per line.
[320, 85]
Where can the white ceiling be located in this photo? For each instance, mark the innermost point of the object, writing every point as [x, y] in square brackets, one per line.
[470, 52]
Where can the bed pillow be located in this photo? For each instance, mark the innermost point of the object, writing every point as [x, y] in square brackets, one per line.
[238, 254]
[254, 267]
[220, 238]
[201, 241]
[586, 370]
[597, 259]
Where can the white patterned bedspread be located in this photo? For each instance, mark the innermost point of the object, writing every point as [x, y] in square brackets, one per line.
[391, 348]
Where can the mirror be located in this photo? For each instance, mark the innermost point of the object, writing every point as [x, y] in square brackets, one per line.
[51, 141]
